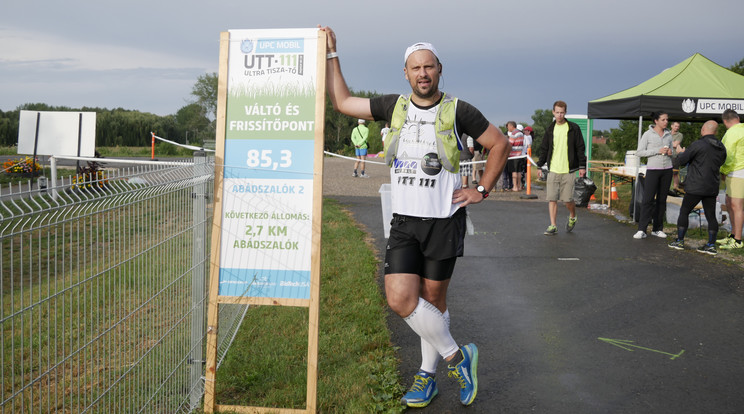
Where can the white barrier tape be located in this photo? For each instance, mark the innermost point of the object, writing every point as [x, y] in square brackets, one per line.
[121, 160]
[352, 159]
[191, 147]
[511, 158]
[461, 163]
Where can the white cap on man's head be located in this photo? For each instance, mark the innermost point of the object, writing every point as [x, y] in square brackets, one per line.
[520, 127]
[361, 121]
[419, 46]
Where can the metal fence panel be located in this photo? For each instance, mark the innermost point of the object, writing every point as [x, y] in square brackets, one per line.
[103, 291]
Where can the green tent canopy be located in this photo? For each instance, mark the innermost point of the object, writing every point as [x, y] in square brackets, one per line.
[692, 90]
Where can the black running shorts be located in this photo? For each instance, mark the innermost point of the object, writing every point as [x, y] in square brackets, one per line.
[426, 247]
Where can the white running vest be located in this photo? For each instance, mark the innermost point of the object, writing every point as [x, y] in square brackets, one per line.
[420, 187]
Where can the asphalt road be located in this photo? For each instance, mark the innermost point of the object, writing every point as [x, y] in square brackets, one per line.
[538, 305]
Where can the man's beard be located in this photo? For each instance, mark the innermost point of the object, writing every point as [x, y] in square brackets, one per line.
[432, 92]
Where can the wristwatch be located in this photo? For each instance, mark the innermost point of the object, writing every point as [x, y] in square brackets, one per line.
[482, 190]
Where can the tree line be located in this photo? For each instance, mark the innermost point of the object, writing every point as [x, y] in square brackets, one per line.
[114, 127]
[191, 124]
[195, 123]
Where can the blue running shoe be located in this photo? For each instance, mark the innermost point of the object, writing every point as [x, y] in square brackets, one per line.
[466, 373]
[423, 390]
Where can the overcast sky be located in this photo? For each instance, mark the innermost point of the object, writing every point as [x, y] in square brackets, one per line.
[508, 58]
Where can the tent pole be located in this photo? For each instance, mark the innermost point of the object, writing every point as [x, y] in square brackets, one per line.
[640, 127]
[634, 184]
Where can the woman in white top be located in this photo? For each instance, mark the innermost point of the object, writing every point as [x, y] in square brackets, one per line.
[656, 145]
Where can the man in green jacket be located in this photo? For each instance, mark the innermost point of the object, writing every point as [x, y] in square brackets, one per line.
[359, 138]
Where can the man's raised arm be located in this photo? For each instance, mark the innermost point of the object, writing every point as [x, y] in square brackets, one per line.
[338, 91]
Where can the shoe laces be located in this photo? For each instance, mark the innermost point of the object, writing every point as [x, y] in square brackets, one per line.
[454, 372]
[419, 383]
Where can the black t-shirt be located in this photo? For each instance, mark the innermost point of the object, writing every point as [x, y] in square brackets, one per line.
[468, 119]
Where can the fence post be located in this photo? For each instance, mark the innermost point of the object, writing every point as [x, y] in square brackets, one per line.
[53, 184]
[198, 287]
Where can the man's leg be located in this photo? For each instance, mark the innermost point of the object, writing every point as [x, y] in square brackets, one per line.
[567, 192]
[709, 207]
[429, 323]
[737, 220]
[683, 219]
[425, 318]
[730, 210]
[735, 208]
[737, 216]
[434, 292]
[356, 166]
[363, 158]
[553, 211]
[430, 357]
[462, 362]
[571, 206]
[403, 292]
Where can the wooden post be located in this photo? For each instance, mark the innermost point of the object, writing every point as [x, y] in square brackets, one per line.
[214, 265]
[314, 311]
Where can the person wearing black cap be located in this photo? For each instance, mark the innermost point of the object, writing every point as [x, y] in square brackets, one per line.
[428, 202]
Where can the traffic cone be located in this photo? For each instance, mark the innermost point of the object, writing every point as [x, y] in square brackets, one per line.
[613, 192]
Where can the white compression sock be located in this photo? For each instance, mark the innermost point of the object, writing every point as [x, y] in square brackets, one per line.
[430, 358]
[429, 323]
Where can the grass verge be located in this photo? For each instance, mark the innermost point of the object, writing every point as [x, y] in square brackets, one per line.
[357, 364]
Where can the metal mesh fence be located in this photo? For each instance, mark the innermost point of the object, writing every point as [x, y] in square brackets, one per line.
[103, 291]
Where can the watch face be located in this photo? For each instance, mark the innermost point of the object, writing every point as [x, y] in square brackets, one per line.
[480, 189]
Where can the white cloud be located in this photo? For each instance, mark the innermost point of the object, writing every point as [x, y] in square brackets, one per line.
[38, 67]
[27, 48]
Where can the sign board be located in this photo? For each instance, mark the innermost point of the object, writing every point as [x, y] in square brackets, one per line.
[586, 126]
[268, 180]
[268, 173]
[71, 134]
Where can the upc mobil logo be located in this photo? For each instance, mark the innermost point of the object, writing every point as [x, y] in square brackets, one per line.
[712, 106]
[267, 56]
